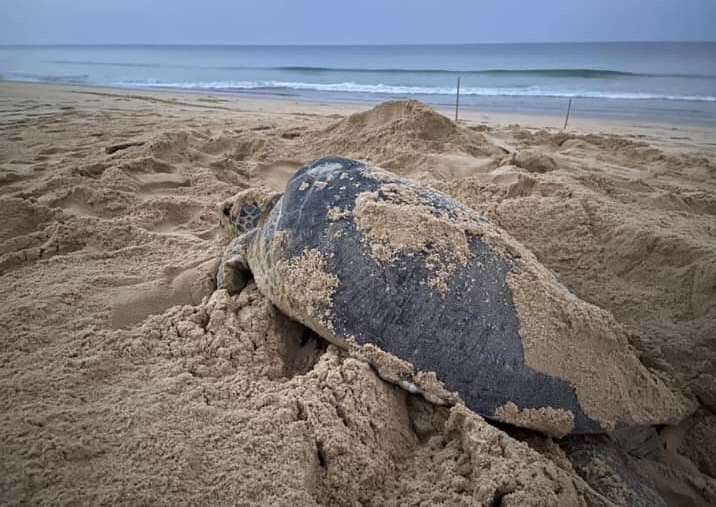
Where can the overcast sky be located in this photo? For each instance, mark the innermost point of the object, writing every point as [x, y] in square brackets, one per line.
[352, 22]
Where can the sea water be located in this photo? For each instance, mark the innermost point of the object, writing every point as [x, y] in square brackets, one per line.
[656, 80]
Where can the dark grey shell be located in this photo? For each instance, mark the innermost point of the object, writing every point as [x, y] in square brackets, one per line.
[468, 335]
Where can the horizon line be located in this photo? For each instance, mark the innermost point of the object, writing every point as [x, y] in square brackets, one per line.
[147, 44]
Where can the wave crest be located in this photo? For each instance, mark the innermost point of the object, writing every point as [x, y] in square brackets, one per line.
[381, 89]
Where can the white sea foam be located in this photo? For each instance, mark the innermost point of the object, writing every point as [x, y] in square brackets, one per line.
[381, 89]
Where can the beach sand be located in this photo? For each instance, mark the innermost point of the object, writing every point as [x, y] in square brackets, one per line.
[126, 379]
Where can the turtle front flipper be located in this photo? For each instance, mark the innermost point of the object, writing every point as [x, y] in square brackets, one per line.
[234, 272]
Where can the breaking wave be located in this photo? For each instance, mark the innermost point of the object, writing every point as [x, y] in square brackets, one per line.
[380, 89]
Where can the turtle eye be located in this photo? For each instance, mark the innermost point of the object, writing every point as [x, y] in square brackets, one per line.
[227, 210]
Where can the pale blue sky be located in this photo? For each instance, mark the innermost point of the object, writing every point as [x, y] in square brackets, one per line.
[355, 22]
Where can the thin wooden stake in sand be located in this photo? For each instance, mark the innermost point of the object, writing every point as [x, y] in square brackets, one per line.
[569, 108]
[457, 98]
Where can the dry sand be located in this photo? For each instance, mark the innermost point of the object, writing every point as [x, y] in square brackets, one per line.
[124, 380]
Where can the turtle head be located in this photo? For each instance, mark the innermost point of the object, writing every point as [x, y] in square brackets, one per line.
[247, 210]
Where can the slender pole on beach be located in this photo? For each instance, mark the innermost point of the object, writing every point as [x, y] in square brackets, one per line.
[457, 98]
[569, 108]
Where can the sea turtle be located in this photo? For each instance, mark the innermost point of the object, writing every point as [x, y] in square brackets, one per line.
[440, 301]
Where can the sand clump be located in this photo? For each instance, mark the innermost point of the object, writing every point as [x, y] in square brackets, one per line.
[127, 379]
[551, 421]
[375, 218]
[300, 282]
[422, 228]
[309, 285]
[401, 373]
[534, 161]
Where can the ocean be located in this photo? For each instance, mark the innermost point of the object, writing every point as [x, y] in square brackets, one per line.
[655, 80]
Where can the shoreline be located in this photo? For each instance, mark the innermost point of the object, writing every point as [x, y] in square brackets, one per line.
[670, 137]
[579, 120]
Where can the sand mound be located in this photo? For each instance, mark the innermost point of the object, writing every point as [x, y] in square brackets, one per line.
[534, 161]
[406, 118]
[401, 136]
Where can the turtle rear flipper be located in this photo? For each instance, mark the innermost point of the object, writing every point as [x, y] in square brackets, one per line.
[610, 471]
